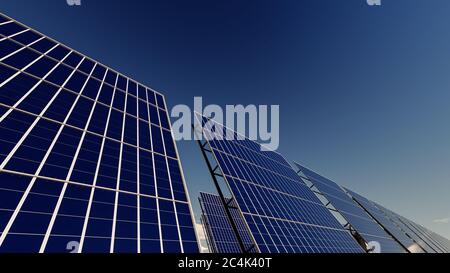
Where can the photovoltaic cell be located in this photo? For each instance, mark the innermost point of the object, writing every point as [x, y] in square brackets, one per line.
[362, 222]
[283, 214]
[387, 223]
[74, 175]
[221, 236]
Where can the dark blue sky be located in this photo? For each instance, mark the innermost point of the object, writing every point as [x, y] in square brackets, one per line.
[364, 91]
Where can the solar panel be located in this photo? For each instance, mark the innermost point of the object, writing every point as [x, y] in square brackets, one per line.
[387, 223]
[394, 217]
[419, 232]
[443, 241]
[425, 238]
[207, 231]
[283, 214]
[440, 241]
[221, 235]
[87, 158]
[425, 234]
[362, 222]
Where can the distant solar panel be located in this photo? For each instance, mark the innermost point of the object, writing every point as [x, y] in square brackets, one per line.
[208, 235]
[220, 233]
[444, 241]
[425, 234]
[387, 223]
[283, 214]
[362, 222]
[436, 238]
[395, 218]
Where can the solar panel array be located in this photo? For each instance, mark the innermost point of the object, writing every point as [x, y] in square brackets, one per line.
[387, 223]
[87, 158]
[362, 222]
[444, 242]
[425, 234]
[283, 214]
[219, 232]
[428, 240]
[412, 234]
[88, 164]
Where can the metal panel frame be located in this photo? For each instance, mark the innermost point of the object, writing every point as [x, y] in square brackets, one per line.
[216, 173]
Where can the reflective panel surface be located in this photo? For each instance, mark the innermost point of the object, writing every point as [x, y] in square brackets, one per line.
[87, 159]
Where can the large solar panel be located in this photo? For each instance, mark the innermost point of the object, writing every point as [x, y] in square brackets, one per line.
[221, 235]
[283, 214]
[387, 223]
[87, 159]
[362, 222]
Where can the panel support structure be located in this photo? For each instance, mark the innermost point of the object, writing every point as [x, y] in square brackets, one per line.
[227, 205]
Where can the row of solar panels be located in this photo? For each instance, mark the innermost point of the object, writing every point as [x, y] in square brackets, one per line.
[87, 157]
[275, 209]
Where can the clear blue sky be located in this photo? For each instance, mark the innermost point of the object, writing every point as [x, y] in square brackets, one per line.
[364, 91]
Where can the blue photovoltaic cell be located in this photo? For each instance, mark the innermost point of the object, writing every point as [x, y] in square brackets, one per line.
[219, 232]
[387, 223]
[362, 222]
[283, 214]
[74, 175]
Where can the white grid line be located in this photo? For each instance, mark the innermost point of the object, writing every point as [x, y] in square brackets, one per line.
[72, 165]
[91, 197]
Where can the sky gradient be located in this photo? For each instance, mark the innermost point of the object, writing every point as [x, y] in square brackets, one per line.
[364, 92]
